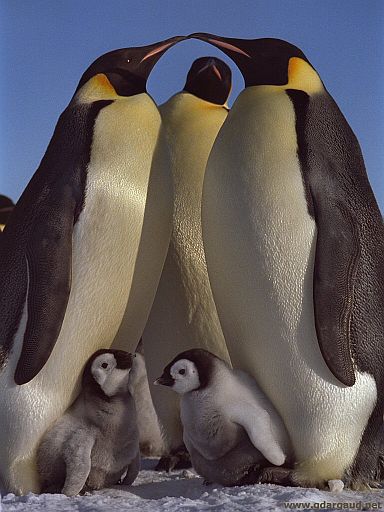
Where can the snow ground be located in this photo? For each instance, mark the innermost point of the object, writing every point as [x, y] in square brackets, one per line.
[184, 491]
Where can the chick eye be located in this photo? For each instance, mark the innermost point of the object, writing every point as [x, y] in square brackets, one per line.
[104, 365]
[182, 372]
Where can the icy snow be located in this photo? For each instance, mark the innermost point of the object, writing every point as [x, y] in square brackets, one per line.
[184, 491]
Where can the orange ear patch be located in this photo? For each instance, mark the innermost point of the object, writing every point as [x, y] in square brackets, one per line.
[97, 88]
[302, 76]
[102, 82]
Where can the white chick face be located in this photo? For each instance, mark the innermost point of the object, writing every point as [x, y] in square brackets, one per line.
[182, 377]
[110, 378]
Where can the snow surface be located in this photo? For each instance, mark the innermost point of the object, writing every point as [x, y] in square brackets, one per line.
[183, 490]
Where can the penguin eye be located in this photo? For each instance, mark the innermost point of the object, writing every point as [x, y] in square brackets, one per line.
[104, 365]
[182, 372]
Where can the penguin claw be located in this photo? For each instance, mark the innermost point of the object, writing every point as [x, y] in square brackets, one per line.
[178, 458]
[276, 475]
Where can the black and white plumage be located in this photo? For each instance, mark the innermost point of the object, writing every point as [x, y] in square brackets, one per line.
[298, 280]
[96, 441]
[184, 312]
[230, 427]
[67, 278]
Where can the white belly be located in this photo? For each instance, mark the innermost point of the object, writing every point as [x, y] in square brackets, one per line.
[184, 314]
[260, 248]
[105, 246]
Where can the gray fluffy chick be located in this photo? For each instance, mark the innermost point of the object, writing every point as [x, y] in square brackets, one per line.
[96, 441]
[231, 429]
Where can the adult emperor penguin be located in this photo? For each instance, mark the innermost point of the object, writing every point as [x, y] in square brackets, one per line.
[294, 243]
[183, 312]
[67, 275]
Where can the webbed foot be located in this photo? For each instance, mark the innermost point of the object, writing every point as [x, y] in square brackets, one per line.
[178, 458]
[276, 475]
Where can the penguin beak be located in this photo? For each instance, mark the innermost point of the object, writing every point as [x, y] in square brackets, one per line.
[211, 64]
[226, 44]
[159, 48]
[124, 360]
[135, 61]
[155, 51]
[164, 381]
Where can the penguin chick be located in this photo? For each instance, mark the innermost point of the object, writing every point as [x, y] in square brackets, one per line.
[150, 436]
[96, 441]
[230, 427]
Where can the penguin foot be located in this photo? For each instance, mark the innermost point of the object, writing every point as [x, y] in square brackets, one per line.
[178, 458]
[362, 485]
[51, 489]
[276, 475]
[251, 477]
[147, 449]
[356, 481]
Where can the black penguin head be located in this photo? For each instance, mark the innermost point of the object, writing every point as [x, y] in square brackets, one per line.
[107, 371]
[267, 61]
[209, 79]
[124, 72]
[190, 370]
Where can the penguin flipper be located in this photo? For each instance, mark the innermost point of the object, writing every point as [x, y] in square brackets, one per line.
[49, 262]
[336, 261]
[257, 423]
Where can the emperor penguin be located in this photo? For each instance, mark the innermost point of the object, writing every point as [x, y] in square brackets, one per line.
[67, 276]
[294, 243]
[184, 313]
[96, 441]
[230, 428]
[6, 208]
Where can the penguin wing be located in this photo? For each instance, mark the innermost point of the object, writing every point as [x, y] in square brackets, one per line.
[336, 182]
[258, 425]
[48, 261]
[40, 232]
[336, 260]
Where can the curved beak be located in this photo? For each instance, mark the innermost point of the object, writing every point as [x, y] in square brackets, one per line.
[160, 47]
[135, 61]
[155, 51]
[227, 44]
[211, 64]
[124, 360]
[164, 381]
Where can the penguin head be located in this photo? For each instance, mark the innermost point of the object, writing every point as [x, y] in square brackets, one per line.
[210, 79]
[107, 372]
[268, 61]
[191, 370]
[122, 72]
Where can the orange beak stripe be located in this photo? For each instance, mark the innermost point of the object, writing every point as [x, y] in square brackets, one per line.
[217, 73]
[156, 50]
[229, 46]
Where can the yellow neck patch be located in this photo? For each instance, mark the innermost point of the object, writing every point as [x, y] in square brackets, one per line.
[97, 88]
[303, 77]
